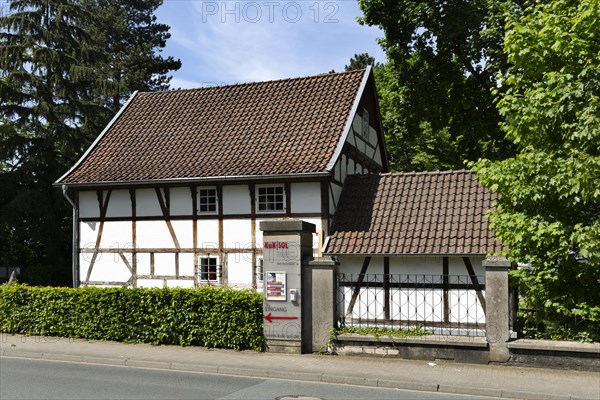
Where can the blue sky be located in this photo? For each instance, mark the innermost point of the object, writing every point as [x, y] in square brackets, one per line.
[226, 42]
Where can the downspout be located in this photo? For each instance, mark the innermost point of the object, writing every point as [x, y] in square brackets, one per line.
[75, 266]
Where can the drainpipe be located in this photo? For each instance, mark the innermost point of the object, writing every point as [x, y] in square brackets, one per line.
[75, 263]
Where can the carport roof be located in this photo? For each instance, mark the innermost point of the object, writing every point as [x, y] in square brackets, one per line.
[427, 213]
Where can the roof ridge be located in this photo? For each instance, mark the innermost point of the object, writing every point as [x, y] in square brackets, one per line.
[299, 78]
[445, 172]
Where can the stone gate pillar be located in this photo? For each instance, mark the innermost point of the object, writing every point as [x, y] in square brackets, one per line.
[497, 313]
[320, 286]
[287, 246]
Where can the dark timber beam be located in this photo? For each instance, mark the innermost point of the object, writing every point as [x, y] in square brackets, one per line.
[359, 283]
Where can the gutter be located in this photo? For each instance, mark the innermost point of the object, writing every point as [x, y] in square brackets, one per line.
[75, 253]
[407, 255]
[187, 181]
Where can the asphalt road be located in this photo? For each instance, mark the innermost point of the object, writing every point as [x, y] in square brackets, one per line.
[41, 379]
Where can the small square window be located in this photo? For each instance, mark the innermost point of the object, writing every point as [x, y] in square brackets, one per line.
[208, 269]
[207, 200]
[271, 199]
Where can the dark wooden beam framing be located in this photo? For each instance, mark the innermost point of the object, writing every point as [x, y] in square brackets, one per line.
[166, 214]
[359, 283]
[324, 210]
[446, 288]
[287, 188]
[386, 287]
[221, 244]
[353, 153]
[132, 196]
[478, 289]
[194, 193]
[204, 217]
[248, 250]
[253, 227]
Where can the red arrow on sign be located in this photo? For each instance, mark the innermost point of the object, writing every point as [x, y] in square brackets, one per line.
[272, 318]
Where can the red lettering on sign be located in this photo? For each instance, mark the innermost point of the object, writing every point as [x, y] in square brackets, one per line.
[276, 245]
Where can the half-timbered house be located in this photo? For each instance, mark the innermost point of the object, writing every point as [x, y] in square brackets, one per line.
[172, 190]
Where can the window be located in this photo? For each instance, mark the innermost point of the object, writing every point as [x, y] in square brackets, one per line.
[271, 199]
[208, 269]
[207, 200]
[365, 124]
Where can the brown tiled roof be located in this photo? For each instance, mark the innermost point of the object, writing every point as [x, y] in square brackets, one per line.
[413, 213]
[278, 127]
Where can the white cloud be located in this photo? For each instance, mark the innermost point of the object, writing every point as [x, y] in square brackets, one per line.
[241, 41]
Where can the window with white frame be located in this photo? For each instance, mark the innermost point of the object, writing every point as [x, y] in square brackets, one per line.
[365, 124]
[208, 270]
[270, 198]
[207, 200]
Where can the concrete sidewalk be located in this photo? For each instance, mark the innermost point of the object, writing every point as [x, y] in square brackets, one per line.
[446, 377]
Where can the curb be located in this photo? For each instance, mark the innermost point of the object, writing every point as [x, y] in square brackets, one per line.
[295, 376]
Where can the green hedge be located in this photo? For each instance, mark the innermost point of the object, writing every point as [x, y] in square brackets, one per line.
[210, 317]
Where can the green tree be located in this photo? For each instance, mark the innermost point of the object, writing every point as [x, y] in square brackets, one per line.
[549, 210]
[132, 41]
[62, 77]
[360, 61]
[443, 58]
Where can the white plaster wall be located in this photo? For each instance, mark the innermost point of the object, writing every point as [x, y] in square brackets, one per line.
[208, 233]
[146, 203]
[184, 231]
[88, 205]
[377, 157]
[357, 123]
[186, 264]
[239, 270]
[181, 283]
[411, 265]
[416, 304]
[143, 263]
[180, 201]
[108, 267]
[88, 232]
[119, 204]
[337, 191]
[361, 144]
[372, 137]
[306, 197]
[236, 199]
[164, 264]
[351, 167]
[337, 170]
[465, 306]
[259, 233]
[153, 234]
[117, 235]
[150, 283]
[344, 168]
[237, 233]
[315, 221]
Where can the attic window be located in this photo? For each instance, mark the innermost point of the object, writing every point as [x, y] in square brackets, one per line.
[365, 124]
[270, 199]
[207, 200]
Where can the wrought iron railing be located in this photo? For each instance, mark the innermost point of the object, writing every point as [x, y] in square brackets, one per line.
[442, 304]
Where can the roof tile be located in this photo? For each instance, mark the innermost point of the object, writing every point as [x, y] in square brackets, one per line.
[414, 213]
[276, 127]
